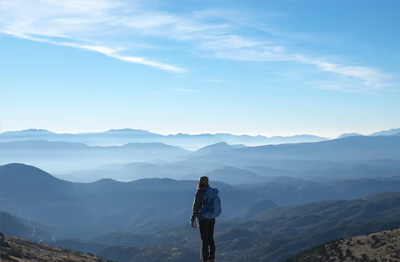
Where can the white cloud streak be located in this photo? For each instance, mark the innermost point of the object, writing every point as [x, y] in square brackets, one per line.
[49, 20]
[108, 51]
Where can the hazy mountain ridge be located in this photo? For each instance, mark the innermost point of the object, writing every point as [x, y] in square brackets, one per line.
[349, 134]
[394, 131]
[67, 157]
[30, 190]
[178, 163]
[137, 206]
[188, 141]
[344, 149]
[265, 182]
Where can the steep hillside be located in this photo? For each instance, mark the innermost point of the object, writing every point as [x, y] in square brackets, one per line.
[380, 246]
[24, 228]
[18, 250]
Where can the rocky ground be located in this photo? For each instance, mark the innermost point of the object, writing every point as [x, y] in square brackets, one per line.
[375, 247]
[18, 249]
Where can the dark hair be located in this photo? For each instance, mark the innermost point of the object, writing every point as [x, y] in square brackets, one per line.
[203, 181]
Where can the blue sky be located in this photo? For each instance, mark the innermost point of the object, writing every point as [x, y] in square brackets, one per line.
[243, 67]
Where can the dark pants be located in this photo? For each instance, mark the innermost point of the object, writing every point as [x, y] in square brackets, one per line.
[207, 237]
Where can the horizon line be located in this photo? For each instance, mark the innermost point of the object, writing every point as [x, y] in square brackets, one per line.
[180, 133]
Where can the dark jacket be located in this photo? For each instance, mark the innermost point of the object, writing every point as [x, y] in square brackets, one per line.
[198, 203]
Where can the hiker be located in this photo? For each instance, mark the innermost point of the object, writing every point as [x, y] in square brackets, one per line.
[206, 207]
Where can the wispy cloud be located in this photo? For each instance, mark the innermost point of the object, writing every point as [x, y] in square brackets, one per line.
[371, 77]
[75, 20]
[108, 51]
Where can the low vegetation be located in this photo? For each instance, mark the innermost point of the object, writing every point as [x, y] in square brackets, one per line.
[17, 250]
[380, 246]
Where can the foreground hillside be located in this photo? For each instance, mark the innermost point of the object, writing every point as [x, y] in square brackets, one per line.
[380, 246]
[19, 249]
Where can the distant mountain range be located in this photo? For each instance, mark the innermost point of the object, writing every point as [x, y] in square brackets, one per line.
[125, 136]
[117, 137]
[357, 148]
[163, 160]
[391, 132]
[280, 195]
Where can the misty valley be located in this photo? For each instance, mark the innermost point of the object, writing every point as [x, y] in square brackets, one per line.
[126, 195]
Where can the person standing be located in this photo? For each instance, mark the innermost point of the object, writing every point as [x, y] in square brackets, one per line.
[206, 206]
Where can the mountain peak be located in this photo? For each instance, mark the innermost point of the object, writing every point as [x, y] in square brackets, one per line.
[349, 134]
[213, 148]
[17, 173]
[128, 130]
[31, 131]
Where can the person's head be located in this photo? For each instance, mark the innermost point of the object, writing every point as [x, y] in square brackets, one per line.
[203, 182]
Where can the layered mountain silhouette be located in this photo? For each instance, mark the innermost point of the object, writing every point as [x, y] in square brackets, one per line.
[123, 136]
[66, 156]
[106, 214]
[140, 206]
[84, 209]
[348, 148]
[115, 137]
[326, 159]
[277, 200]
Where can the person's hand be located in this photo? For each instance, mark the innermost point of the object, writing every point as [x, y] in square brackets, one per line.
[193, 223]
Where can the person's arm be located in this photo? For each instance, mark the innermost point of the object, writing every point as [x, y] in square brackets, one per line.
[196, 206]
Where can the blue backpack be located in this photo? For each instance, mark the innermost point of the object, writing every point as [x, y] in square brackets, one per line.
[211, 204]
